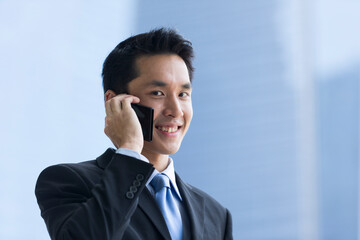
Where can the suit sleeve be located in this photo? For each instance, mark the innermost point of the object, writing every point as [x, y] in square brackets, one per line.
[72, 209]
[228, 227]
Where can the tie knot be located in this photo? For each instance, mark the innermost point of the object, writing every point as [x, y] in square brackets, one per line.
[160, 181]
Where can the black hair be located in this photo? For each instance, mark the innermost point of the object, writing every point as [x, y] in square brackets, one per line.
[119, 67]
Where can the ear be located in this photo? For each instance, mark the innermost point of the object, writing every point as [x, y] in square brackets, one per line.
[109, 94]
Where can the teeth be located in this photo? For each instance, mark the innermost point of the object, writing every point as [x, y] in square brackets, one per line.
[167, 129]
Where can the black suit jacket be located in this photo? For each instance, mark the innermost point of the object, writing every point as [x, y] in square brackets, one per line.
[106, 198]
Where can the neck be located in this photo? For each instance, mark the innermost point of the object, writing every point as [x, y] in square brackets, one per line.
[159, 161]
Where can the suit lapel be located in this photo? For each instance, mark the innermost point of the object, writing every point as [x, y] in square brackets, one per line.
[148, 204]
[195, 206]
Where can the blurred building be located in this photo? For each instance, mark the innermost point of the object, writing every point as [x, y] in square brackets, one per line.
[338, 128]
[261, 141]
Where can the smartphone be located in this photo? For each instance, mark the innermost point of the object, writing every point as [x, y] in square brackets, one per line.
[146, 118]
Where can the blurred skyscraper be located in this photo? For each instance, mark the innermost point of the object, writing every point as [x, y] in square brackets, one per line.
[261, 137]
[338, 128]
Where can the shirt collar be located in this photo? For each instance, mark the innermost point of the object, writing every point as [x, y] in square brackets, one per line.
[170, 172]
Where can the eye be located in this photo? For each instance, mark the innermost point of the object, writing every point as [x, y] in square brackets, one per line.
[156, 93]
[184, 94]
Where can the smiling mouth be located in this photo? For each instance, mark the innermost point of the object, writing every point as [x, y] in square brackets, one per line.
[168, 129]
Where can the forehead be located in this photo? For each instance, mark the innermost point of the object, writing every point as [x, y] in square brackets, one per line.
[165, 68]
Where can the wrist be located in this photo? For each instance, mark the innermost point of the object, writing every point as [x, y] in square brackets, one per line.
[131, 153]
[132, 147]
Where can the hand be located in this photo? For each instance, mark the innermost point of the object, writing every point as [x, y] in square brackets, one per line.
[121, 123]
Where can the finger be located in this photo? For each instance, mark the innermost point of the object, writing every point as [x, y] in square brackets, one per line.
[126, 103]
[136, 99]
[115, 105]
[108, 107]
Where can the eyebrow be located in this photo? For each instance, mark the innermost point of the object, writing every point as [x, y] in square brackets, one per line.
[158, 83]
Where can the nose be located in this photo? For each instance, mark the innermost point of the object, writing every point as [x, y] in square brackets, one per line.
[173, 107]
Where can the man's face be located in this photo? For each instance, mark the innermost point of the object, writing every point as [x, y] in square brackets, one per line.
[163, 84]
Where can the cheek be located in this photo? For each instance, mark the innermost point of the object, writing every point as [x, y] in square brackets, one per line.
[188, 112]
[157, 110]
[150, 103]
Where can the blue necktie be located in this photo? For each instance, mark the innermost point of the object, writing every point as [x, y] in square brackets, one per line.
[167, 204]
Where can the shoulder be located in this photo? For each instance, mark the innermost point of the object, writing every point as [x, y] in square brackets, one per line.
[71, 172]
[209, 200]
[211, 205]
[63, 170]
[66, 181]
[218, 218]
[81, 169]
[68, 175]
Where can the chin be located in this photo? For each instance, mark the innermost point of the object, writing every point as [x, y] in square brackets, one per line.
[161, 149]
[169, 151]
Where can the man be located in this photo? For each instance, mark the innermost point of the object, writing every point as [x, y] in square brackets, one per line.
[117, 196]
